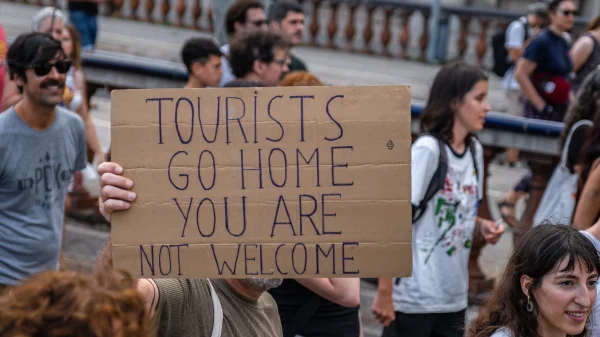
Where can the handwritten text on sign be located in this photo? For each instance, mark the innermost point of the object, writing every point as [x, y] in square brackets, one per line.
[267, 182]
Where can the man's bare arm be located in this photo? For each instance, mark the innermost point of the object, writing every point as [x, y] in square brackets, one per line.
[146, 287]
[104, 260]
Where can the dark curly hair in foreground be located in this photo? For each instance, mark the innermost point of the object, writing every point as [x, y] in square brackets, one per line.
[253, 45]
[74, 304]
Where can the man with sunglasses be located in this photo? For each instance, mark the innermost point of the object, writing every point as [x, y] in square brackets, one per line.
[41, 146]
[260, 55]
[242, 16]
[49, 20]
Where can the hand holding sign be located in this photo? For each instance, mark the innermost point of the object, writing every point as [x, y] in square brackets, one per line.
[114, 189]
[268, 182]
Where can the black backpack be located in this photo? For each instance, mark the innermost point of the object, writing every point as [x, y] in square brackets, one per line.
[439, 178]
[501, 60]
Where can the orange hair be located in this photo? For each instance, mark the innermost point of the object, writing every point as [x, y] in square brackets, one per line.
[74, 304]
[300, 78]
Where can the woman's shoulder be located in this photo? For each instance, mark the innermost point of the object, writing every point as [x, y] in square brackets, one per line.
[503, 332]
[427, 141]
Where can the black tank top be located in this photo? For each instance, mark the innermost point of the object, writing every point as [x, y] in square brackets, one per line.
[590, 65]
[329, 319]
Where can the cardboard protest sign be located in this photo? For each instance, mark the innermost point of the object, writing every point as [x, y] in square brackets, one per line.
[264, 182]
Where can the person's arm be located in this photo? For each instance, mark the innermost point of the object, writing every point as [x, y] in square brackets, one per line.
[383, 305]
[535, 54]
[11, 94]
[581, 51]
[342, 291]
[490, 231]
[523, 70]
[83, 111]
[515, 40]
[114, 197]
[588, 206]
[150, 293]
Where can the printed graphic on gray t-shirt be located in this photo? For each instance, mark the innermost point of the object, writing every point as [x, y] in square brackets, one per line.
[35, 172]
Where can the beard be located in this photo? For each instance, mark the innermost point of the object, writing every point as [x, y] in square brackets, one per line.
[262, 284]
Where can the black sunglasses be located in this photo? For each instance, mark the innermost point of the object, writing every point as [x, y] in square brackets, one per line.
[44, 67]
[567, 12]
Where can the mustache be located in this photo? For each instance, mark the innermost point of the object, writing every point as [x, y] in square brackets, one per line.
[52, 82]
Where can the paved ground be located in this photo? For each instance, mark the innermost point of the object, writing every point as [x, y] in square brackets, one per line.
[83, 241]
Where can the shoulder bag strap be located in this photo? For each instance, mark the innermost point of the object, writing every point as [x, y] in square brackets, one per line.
[565, 150]
[217, 312]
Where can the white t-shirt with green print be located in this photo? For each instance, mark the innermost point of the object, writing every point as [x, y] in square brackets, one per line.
[443, 236]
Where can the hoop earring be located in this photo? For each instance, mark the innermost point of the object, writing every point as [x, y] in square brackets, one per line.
[529, 305]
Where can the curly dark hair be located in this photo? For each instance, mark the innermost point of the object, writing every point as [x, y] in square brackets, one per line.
[450, 85]
[74, 304]
[256, 44]
[537, 254]
[585, 106]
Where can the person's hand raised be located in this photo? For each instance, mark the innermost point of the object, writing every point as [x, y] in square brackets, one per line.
[115, 194]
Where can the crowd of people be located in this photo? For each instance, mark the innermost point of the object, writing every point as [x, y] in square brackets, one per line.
[549, 285]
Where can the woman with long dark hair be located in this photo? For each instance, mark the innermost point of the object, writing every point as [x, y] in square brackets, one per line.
[548, 288]
[587, 211]
[432, 302]
[543, 75]
[586, 53]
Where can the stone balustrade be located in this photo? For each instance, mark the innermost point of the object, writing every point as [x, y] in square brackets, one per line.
[379, 27]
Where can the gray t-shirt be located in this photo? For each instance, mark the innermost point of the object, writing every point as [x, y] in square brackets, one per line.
[35, 172]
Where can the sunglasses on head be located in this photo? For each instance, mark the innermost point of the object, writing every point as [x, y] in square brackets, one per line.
[42, 68]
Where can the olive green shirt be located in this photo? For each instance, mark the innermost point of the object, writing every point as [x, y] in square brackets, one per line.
[297, 64]
[185, 309]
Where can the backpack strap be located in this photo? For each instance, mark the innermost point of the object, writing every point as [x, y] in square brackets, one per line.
[436, 183]
[473, 149]
[217, 312]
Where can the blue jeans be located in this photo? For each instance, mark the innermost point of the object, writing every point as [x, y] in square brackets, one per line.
[87, 26]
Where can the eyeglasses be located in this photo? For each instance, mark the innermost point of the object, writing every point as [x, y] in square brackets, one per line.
[44, 67]
[280, 62]
[567, 12]
[259, 23]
